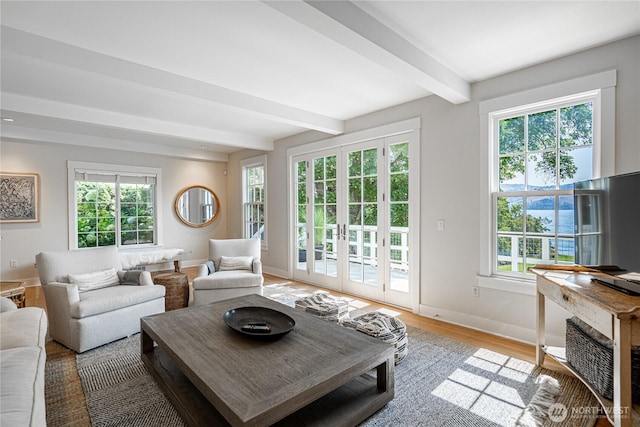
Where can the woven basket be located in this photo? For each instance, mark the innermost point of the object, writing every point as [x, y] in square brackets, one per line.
[591, 354]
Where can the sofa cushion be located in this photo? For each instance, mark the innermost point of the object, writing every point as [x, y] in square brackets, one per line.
[22, 386]
[130, 277]
[211, 268]
[228, 279]
[23, 328]
[113, 298]
[95, 279]
[230, 263]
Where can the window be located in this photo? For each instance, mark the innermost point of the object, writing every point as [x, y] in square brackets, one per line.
[254, 196]
[539, 151]
[112, 205]
[596, 89]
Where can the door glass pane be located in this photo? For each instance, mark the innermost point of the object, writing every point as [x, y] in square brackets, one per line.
[398, 247]
[363, 217]
[301, 217]
[325, 234]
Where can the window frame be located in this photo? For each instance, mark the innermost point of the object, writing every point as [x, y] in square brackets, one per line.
[74, 167]
[247, 165]
[602, 86]
[592, 97]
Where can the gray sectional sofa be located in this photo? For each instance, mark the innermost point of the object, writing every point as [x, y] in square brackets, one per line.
[22, 362]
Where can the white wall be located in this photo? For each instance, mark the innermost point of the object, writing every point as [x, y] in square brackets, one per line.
[450, 175]
[23, 241]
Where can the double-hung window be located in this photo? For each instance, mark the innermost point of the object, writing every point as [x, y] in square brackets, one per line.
[254, 199]
[540, 151]
[536, 145]
[112, 205]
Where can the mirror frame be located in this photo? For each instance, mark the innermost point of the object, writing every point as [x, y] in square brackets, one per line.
[193, 224]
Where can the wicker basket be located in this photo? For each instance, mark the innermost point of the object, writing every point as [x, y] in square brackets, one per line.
[591, 354]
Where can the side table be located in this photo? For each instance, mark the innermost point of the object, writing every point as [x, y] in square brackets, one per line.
[14, 291]
[177, 289]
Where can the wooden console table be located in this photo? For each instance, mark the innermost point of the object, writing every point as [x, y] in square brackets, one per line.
[614, 314]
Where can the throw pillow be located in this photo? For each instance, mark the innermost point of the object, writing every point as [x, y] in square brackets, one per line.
[130, 277]
[210, 266]
[94, 280]
[236, 263]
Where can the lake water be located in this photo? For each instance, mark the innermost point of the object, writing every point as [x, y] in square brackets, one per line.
[565, 226]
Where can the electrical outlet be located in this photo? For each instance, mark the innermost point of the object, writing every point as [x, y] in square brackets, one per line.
[476, 291]
[13, 263]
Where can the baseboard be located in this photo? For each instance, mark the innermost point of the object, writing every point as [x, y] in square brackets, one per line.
[516, 333]
[284, 274]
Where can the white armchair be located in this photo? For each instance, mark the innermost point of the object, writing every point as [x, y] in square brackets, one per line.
[234, 269]
[87, 305]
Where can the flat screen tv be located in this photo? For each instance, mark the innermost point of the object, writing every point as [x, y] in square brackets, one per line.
[607, 226]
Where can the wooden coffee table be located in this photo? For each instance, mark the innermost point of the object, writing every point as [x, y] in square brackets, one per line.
[320, 373]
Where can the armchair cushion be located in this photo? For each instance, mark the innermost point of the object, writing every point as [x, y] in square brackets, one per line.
[228, 263]
[94, 280]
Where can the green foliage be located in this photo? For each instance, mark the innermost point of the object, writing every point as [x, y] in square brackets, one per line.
[548, 139]
[97, 220]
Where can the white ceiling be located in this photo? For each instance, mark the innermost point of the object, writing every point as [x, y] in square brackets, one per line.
[203, 79]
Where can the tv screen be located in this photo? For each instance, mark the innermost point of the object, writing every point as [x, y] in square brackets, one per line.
[607, 224]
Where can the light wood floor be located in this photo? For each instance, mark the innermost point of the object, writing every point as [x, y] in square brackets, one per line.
[516, 349]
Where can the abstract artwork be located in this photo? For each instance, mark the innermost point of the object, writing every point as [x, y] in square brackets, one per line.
[19, 197]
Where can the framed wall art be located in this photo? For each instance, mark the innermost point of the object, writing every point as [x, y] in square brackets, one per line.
[19, 197]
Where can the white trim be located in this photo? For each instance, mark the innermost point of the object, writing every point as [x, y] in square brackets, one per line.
[602, 80]
[508, 330]
[355, 137]
[410, 127]
[604, 147]
[75, 166]
[249, 163]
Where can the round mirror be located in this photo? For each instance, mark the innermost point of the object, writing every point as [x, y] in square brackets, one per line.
[197, 206]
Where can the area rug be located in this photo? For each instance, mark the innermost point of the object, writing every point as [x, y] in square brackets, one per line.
[442, 382]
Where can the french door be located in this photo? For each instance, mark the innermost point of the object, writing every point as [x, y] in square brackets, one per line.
[352, 219]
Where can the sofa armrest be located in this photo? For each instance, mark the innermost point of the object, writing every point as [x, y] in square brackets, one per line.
[203, 271]
[145, 279]
[257, 266]
[7, 305]
[60, 297]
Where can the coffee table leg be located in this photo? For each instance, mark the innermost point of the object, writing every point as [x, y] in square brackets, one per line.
[385, 375]
[146, 343]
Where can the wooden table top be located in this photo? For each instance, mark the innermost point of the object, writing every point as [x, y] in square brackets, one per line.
[579, 283]
[253, 379]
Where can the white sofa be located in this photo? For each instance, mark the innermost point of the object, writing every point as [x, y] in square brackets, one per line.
[83, 312]
[234, 269]
[22, 362]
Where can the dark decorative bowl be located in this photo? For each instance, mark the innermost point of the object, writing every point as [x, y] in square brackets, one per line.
[259, 322]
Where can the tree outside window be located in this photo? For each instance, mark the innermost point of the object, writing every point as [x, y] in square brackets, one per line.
[540, 153]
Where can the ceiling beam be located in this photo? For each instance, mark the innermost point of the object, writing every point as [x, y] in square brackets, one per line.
[347, 24]
[18, 44]
[76, 113]
[21, 134]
